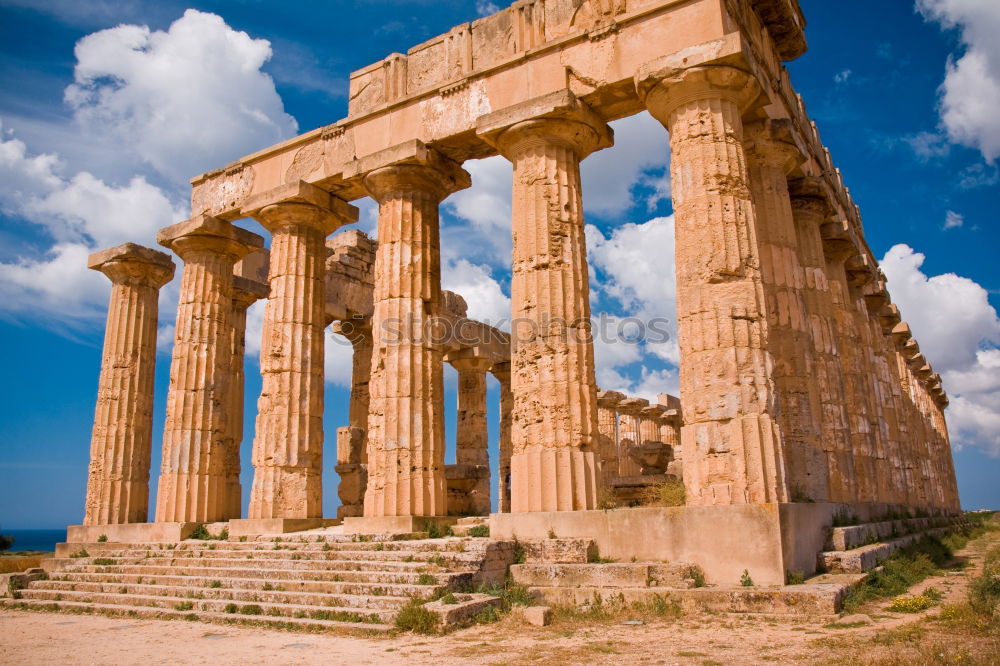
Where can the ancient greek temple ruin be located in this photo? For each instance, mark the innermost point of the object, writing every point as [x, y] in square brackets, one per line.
[803, 394]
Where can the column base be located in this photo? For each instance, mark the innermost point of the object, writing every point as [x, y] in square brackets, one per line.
[256, 526]
[133, 532]
[395, 524]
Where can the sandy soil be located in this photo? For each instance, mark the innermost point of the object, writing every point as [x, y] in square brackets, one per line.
[42, 638]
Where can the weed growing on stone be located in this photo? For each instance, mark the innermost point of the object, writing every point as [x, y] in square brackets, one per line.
[103, 561]
[102, 539]
[794, 578]
[479, 531]
[907, 567]
[426, 579]
[414, 617]
[745, 579]
[80, 553]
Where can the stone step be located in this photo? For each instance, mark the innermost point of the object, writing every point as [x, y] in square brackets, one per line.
[626, 575]
[866, 534]
[182, 592]
[148, 612]
[270, 609]
[243, 583]
[271, 572]
[866, 558]
[252, 562]
[390, 558]
[453, 544]
[810, 600]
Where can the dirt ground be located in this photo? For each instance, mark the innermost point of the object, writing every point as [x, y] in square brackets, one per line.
[706, 639]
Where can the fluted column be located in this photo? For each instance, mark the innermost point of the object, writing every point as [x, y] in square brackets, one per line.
[406, 419]
[288, 447]
[246, 292]
[472, 435]
[607, 425]
[502, 372]
[811, 211]
[554, 434]
[629, 433]
[731, 440]
[118, 476]
[771, 155]
[197, 436]
[352, 441]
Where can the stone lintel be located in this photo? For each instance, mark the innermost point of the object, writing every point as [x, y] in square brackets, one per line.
[209, 232]
[301, 192]
[559, 105]
[653, 411]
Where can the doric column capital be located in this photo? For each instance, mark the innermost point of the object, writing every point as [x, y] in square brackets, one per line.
[609, 399]
[206, 234]
[357, 329]
[427, 171]
[247, 292]
[770, 142]
[502, 372]
[300, 204]
[663, 87]
[467, 360]
[558, 118]
[133, 265]
[653, 412]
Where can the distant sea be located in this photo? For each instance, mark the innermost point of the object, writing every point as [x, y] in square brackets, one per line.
[44, 540]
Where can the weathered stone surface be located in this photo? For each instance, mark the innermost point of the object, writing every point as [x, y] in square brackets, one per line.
[118, 477]
[540, 616]
[198, 437]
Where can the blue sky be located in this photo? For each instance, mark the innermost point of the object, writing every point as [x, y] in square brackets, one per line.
[102, 120]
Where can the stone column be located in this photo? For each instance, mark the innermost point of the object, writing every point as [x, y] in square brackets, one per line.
[811, 211]
[406, 475]
[607, 424]
[502, 372]
[197, 436]
[352, 441]
[732, 445]
[288, 447]
[472, 436]
[629, 433]
[118, 478]
[553, 467]
[246, 292]
[771, 155]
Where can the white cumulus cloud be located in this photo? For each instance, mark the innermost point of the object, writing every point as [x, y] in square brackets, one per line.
[959, 332]
[970, 94]
[185, 100]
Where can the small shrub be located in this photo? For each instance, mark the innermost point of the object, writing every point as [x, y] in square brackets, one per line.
[745, 579]
[232, 608]
[267, 587]
[697, 575]
[184, 606]
[520, 555]
[479, 531]
[103, 561]
[794, 578]
[80, 553]
[434, 531]
[252, 609]
[449, 599]
[552, 533]
[438, 560]
[669, 493]
[6, 542]
[102, 539]
[200, 533]
[426, 579]
[243, 539]
[215, 584]
[223, 535]
[414, 617]
[327, 547]
[379, 547]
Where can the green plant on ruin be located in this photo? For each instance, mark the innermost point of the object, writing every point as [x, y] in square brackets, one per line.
[479, 531]
[102, 539]
[745, 579]
[414, 617]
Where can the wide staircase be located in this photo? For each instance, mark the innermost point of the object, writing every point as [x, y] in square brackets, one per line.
[301, 581]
